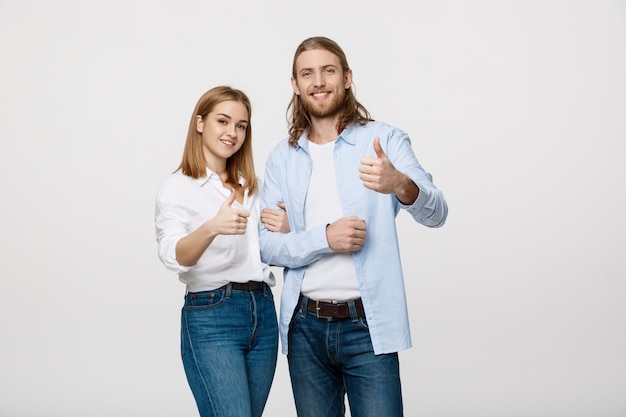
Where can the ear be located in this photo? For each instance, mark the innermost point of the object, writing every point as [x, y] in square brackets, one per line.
[347, 79]
[199, 124]
[294, 85]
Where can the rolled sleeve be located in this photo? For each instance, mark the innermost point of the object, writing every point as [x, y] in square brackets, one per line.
[170, 228]
[430, 208]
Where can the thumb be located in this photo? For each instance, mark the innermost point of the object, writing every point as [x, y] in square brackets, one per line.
[378, 148]
[281, 205]
[231, 198]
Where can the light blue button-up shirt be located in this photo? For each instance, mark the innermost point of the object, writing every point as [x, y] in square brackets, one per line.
[377, 263]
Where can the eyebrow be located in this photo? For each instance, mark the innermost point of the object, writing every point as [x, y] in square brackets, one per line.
[228, 117]
[321, 67]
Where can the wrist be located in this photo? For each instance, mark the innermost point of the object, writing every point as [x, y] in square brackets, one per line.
[407, 191]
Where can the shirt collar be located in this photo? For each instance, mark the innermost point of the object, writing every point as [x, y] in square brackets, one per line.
[346, 136]
[303, 142]
[212, 176]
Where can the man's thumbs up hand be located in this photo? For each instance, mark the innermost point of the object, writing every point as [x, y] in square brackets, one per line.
[378, 173]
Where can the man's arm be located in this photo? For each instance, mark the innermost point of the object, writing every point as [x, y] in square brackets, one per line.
[380, 175]
[299, 247]
[412, 186]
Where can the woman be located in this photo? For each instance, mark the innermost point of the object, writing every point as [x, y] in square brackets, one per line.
[207, 218]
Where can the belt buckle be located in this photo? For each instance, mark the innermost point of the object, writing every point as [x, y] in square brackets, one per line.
[317, 309]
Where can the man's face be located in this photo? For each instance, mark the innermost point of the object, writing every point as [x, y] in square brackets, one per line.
[320, 82]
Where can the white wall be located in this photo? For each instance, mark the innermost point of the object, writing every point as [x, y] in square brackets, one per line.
[517, 108]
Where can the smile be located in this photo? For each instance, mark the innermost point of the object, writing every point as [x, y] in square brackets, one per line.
[320, 95]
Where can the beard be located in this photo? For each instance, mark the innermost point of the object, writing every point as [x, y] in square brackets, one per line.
[330, 109]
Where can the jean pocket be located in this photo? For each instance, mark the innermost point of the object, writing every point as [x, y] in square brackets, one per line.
[204, 300]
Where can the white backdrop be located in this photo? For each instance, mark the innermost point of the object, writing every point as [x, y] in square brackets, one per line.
[517, 108]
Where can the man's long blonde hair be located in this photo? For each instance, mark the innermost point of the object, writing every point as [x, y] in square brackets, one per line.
[351, 110]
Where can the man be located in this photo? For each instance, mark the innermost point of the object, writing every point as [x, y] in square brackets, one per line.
[343, 178]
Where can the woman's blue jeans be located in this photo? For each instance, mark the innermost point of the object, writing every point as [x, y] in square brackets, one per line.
[229, 347]
[329, 358]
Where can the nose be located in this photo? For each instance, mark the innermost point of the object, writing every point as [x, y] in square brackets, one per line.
[319, 79]
[232, 130]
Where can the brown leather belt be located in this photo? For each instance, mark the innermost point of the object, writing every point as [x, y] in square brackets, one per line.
[244, 286]
[328, 310]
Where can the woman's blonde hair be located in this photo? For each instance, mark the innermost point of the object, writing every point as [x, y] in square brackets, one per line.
[241, 162]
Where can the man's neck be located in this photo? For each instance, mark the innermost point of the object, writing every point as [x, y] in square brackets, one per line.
[323, 130]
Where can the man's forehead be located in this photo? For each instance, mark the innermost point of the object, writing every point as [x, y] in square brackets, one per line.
[315, 58]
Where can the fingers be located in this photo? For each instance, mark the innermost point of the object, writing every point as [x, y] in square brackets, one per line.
[378, 173]
[275, 220]
[230, 220]
[269, 219]
[346, 234]
[229, 203]
[368, 163]
[378, 149]
[240, 224]
[231, 198]
[355, 222]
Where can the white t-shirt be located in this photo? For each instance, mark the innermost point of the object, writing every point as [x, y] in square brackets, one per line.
[333, 277]
[182, 205]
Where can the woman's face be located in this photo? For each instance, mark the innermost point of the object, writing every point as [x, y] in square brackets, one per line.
[223, 131]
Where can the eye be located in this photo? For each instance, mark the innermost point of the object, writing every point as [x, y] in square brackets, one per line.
[330, 71]
[305, 74]
[242, 127]
[222, 121]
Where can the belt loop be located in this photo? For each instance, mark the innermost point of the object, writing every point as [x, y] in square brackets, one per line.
[303, 302]
[229, 288]
[353, 314]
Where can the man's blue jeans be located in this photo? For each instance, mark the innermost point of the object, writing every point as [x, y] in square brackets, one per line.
[229, 347]
[331, 357]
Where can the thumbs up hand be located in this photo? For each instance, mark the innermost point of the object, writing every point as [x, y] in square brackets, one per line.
[229, 220]
[378, 173]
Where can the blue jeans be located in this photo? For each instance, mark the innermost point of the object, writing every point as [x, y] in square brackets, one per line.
[329, 358]
[229, 347]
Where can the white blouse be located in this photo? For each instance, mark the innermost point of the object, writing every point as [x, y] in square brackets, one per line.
[182, 205]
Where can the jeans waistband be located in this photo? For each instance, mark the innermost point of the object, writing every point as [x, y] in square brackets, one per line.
[324, 309]
[244, 286]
